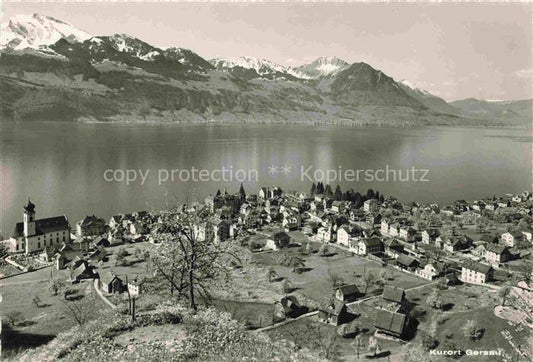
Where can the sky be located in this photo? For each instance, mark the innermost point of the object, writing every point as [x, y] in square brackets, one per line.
[453, 50]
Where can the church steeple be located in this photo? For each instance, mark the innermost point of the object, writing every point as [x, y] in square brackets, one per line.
[30, 207]
[29, 219]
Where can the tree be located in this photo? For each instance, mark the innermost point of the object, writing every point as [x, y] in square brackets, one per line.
[428, 342]
[320, 188]
[81, 311]
[472, 330]
[292, 261]
[336, 280]
[373, 345]
[414, 353]
[271, 275]
[382, 278]
[434, 300]
[3, 250]
[348, 329]
[56, 285]
[287, 287]
[13, 318]
[188, 262]
[368, 278]
[370, 194]
[242, 193]
[313, 189]
[357, 343]
[37, 301]
[296, 263]
[327, 191]
[338, 193]
[504, 293]
[323, 250]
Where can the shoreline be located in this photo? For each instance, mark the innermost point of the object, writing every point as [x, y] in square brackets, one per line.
[266, 124]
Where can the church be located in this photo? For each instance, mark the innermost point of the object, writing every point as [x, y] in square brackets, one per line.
[33, 235]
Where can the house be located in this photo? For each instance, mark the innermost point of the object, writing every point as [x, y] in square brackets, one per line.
[511, 238]
[393, 294]
[291, 306]
[33, 235]
[456, 243]
[345, 233]
[480, 250]
[61, 260]
[90, 226]
[338, 206]
[111, 283]
[370, 205]
[394, 229]
[218, 230]
[97, 256]
[407, 232]
[430, 271]
[138, 228]
[391, 323]
[407, 263]
[371, 245]
[373, 218]
[429, 236]
[384, 227]
[101, 242]
[135, 286]
[80, 244]
[115, 221]
[496, 254]
[347, 293]
[476, 273]
[325, 234]
[277, 241]
[393, 248]
[83, 271]
[335, 314]
[490, 238]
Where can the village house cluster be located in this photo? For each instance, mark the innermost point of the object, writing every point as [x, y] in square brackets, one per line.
[418, 239]
[460, 242]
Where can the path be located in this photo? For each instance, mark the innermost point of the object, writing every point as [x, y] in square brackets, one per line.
[103, 297]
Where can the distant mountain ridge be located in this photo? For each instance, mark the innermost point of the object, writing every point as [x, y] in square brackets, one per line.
[50, 69]
[497, 110]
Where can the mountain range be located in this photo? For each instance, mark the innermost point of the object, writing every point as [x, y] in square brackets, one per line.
[49, 69]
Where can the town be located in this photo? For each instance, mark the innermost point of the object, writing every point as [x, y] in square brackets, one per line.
[338, 275]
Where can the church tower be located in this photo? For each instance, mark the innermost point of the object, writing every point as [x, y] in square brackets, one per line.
[29, 219]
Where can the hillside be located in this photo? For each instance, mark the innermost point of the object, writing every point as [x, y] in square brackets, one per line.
[503, 111]
[427, 99]
[174, 335]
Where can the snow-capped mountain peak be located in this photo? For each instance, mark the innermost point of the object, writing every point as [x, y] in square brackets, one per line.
[411, 86]
[125, 44]
[32, 31]
[322, 67]
[261, 66]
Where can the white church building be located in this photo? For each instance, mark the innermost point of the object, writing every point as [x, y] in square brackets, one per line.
[33, 235]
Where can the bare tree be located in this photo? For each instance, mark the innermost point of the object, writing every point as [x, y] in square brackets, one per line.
[368, 279]
[504, 293]
[56, 285]
[13, 318]
[81, 311]
[188, 259]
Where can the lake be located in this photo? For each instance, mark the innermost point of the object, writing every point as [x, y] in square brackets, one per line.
[76, 168]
